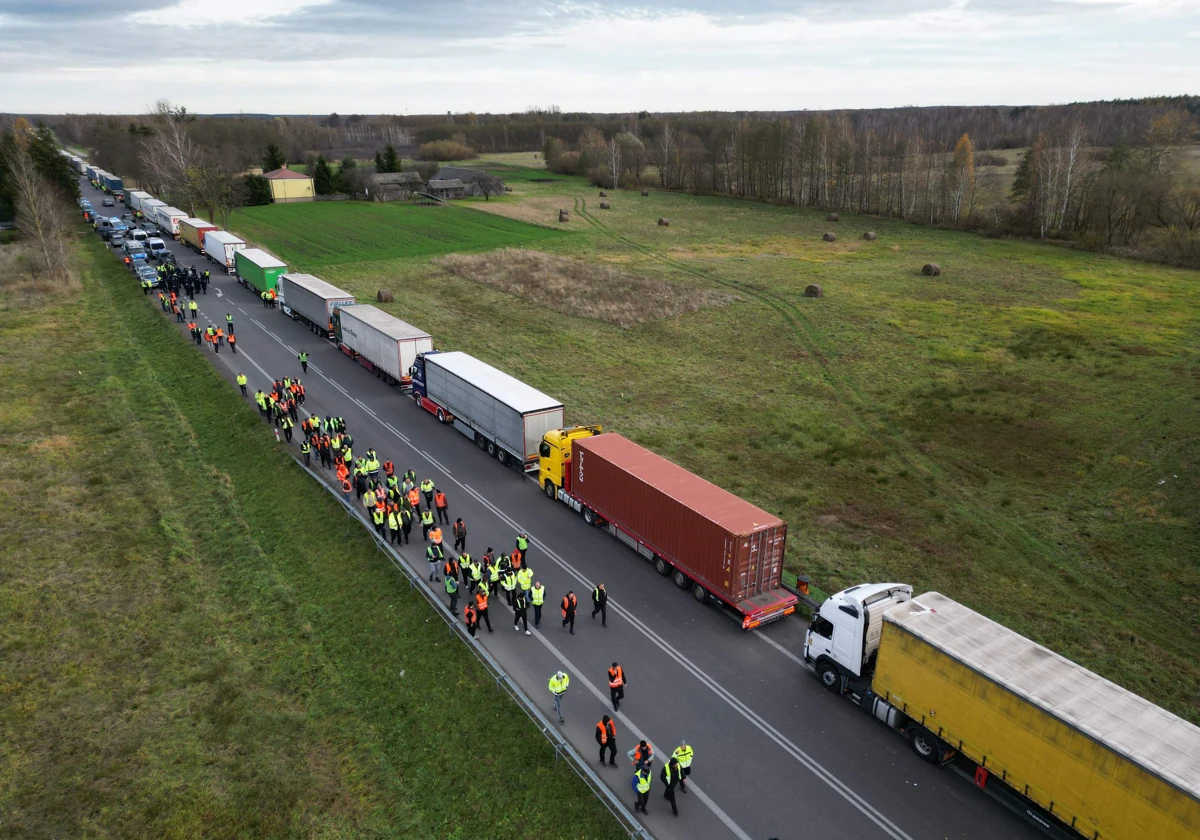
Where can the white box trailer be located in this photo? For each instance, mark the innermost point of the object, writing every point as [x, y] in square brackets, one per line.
[312, 301]
[382, 343]
[504, 416]
[168, 219]
[134, 199]
[220, 245]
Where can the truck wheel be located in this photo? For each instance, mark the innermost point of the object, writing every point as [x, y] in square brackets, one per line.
[417, 400]
[491, 448]
[926, 744]
[441, 416]
[829, 677]
[681, 580]
[481, 442]
[700, 594]
[502, 456]
[662, 566]
[551, 491]
[589, 516]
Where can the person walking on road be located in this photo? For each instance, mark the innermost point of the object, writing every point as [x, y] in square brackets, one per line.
[303, 357]
[414, 501]
[427, 489]
[228, 321]
[193, 309]
[434, 555]
[616, 685]
[481, 607]
[393, 520]
[459, 530]
[569, 603]
[600, 604]
[471, 618]
[426, 523]
[287, 423]
[509, 582]
[521, 611]
[669, 776]
[643, 755]
[523, 546]
[241, 381]
[558, 687]
[606, 737]
[537, 597]
[306, 451]
[641, 784]
[406, 518]
[683, 755]
[452, 591]
[232, 343]
[442, 506]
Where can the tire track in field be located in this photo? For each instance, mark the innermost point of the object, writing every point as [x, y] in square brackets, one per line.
[965, 502]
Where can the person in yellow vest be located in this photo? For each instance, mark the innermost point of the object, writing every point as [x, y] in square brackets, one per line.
[558, 687]
[684, 755]
[393, 520]
[537, 597]
[241, 381]
[426, 523]
[509, 582]
[670, 776]
[641, 784]
[525, 579]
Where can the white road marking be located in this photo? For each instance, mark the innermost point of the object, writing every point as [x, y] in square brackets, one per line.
[798, 660]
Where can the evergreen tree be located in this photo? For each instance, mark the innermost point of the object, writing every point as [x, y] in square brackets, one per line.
[322, 176]
[258, 191]
[52, 164]
[274, 158]
[343, 179]
[387, 160]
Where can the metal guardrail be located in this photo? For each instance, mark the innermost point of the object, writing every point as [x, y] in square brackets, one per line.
[562, 748]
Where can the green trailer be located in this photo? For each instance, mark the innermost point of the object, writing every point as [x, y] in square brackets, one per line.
[256, 269]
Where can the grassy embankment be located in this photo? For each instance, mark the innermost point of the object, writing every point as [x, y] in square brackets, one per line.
[1018, 433]
[196, 641]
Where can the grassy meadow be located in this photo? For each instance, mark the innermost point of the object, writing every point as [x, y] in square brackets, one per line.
[197, 642]
[1018, 433]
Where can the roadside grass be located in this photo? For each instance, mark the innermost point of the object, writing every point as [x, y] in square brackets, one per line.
[324, 233]
[1018, 433]
[197, 641]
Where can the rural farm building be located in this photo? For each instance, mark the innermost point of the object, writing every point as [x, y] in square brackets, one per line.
[446, 188]
[287, 186]
[395, 186]
[470, 179]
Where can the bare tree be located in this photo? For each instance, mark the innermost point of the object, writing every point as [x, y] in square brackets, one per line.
[613, 154]
[489, 185]
[666, 155]
[42, 215]
[214, 189]
[168, 154]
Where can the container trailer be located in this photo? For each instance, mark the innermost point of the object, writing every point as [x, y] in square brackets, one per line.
[1073, 752]
[191, 233]
[724, 549]
[312, 301]
[258, 270]
[382, 343]
[220, 247]
[504, 416]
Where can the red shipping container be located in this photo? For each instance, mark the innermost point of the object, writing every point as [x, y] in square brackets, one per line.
[729, 546]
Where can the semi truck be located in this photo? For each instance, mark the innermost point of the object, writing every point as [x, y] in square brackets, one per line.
[149, 208]
[1073, 752]
[168, 219]
[723, 549]
[257, 269]
[134, 199]
[382, 343]
[191, 233]
[220, 247]
[312, 301]
[113, 183]
[505, 417]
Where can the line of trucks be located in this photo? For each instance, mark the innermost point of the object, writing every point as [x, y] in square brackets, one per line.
[1072, 752]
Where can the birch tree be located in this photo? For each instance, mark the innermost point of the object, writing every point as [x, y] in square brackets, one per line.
[961, 177]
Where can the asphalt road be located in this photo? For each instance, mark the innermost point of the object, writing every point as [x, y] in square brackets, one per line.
[776, 754]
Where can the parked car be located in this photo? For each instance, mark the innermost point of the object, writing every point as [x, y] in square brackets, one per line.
[167, 258]
[150, 228]
[139, 236]
[116, 239]
[145, 272]
[108, 202]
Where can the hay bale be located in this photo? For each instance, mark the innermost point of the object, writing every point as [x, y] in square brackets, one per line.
[663, 223]
[508, 189]
[833, 217]
[603, 194]
[932, 270]
[603, 205]
[645, 192]
[384, 296]
[813, 290]
[870, 236]
[564, 216]
[830, 236]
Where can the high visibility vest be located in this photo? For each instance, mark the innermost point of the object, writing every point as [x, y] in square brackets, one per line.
[451, 568]
[377, 515]
[433, 553]
[559, 686]
[440, 499]
[493, 572]
[346, 485]
[510, 582]
[414, 498]
[373, 465]
[241, 379]
[393, 523]
[451, 584]
[666, 774]
[684, 756]
[568, 601]
[520, 602]
[522, 544]
[641, 755]
[368, 499]
[525, 579]
[616, 677]
[469, 614]
[481, 598]
[476, 572]
[539, 595]
[426, 517]
[406, 517]
[435, 534]
[261, 399]
[427, 486]
[603, 733]
[305, 448]
[391, 482]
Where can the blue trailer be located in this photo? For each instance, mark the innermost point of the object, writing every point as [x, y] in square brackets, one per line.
[113, 183]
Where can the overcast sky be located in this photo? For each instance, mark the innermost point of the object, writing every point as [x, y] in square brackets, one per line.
[432, 56]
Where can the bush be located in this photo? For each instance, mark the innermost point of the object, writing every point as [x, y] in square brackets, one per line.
[258, 191]
[445, 150]
[566, 163]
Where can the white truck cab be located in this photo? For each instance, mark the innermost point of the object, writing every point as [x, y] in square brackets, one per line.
[844, 634]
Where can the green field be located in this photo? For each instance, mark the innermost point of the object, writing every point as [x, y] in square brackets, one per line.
[1019, 433]
[319, 234]
[196, 641]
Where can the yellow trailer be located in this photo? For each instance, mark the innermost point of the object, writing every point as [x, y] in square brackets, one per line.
[1100, 759]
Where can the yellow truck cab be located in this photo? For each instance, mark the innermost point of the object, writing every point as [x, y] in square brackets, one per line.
[554, 457]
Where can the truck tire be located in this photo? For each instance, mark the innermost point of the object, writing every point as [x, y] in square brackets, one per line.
[417, 400]
[551, 490]
[441, 416]
[700, 594]
[502, 456]
[662, 566]
[589, 515]
[681, 580]
[481, 442]
[491, 449]
[926, 744]
[829, 677]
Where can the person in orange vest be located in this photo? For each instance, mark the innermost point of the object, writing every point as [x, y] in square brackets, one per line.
[643, 756]
[451, 567]
[414, 501]
[232, 342]
[481, 607]
[347, 488]
[469, 616]
[606, 737]
[616, 685]
[443, 507]
[435, 535]
[389, 468]
[516, 559]
[569, 603]
[217, 337]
